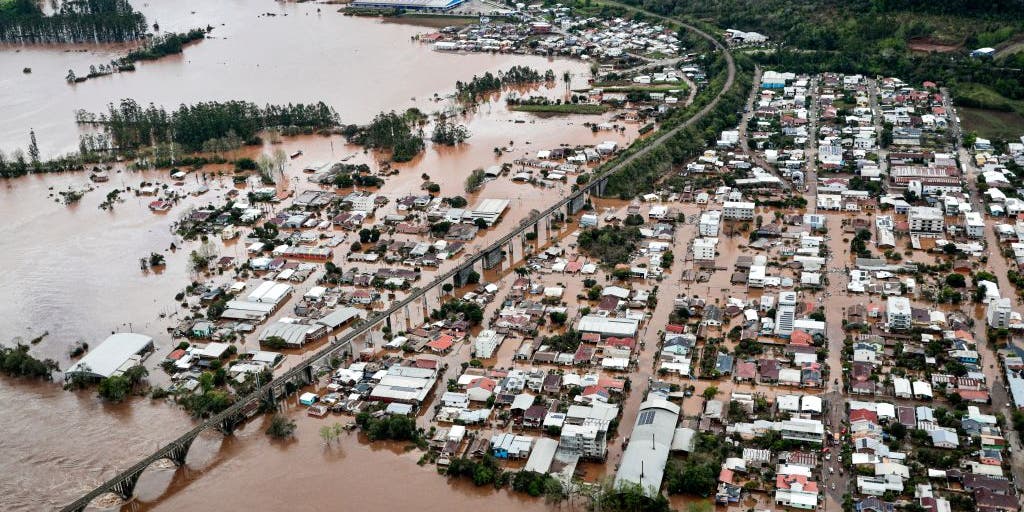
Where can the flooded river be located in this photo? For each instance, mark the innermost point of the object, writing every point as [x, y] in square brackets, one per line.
[304, 475]
[73, 272]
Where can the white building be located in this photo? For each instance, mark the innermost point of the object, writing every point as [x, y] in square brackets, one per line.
[704, 249]
[709, 222]
[785, 314]
[643, 462]
[897, 313]
[117, 354]
[486, 343]
[608, 326]
[925, 220]
[588, 440]
[796, 491]
[732, 210]
[974, 225]
[998, 313]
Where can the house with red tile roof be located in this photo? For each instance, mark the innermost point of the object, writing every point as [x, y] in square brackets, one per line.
[797, 491]
[442, 344]
[481, 389]
[801, 338]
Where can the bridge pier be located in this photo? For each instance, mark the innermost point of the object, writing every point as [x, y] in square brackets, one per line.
[408, 323]
[180, 452]
[575, 205]
[307, 372]
[424, 308]
[393, 323]
[462, 276]
[491, 259]
[510, 253]
[432, 297]
[373, 338]
[228, 425]
[269, 400]
[542, 233]
[126, 487]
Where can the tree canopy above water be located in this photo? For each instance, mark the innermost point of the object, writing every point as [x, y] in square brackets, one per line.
[78, 21]
[131, 125]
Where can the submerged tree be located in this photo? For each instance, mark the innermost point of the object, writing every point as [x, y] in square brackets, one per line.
[33, 147]
[281, 427]
[448, 133]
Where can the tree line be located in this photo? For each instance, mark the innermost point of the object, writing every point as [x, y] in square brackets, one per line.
[79, 21]
[480, 86]
[131, 126]
[159, 46]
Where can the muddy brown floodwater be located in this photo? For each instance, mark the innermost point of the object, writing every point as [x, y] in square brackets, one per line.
[252, 472]
[73, 272]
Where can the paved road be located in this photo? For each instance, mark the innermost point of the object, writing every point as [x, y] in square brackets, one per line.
[999, 266]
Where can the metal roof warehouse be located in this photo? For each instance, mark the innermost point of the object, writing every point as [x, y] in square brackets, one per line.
[608, 326]
[643, 462]
[114, 356]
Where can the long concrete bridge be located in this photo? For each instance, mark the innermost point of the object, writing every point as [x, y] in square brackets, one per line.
[405, 313]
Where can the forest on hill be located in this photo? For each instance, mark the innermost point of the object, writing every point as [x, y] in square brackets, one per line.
[916, 40]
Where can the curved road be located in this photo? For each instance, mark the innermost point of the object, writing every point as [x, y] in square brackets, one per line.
[235, 410]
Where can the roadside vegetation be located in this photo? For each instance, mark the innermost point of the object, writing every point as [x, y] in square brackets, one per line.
[643, 174]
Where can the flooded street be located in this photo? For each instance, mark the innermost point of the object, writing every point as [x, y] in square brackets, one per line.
[73, 273]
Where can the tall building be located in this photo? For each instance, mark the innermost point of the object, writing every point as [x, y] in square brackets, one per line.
[998, 313]
[704, 249]
[925, 220]
[898, 313]
[709, 222]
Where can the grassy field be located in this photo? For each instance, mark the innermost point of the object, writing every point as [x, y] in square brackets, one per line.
[565, 108]
[1009, 49]
[645, 88]
[993, 124]
[980, 96]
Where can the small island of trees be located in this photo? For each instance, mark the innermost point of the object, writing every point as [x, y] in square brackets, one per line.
[398, 133]
[481, 86]
[131, 126]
